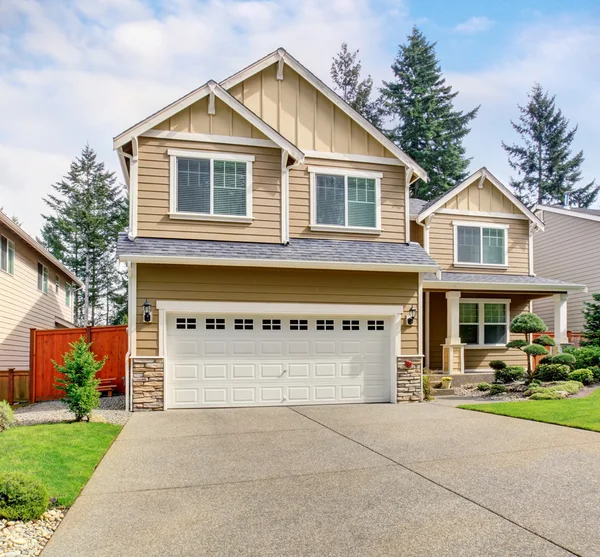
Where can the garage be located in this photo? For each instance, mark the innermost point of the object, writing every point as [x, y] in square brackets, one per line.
[276, 359]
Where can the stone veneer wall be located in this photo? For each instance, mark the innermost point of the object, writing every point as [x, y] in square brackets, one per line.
[409, 380]
[148, 384]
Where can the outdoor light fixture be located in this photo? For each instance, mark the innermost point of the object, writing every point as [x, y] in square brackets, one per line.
[412, 313]
[147, 312]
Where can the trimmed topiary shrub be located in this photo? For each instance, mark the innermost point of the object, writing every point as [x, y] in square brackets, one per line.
[585, 376]
[545, 340]
[497, 390]
[534, 350]
[527, 323]
[6, 415]
[497, 364]
[564, 359]
[552, 372]
[509, 374]
[22, 497]
[483, 386]
[519, 343]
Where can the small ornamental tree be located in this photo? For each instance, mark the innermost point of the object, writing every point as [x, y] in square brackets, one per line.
[527, 324]
[79, 383]
[591, 330]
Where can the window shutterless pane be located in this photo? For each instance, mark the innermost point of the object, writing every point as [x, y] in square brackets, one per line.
[468, 244]
[45, 283]
[469, 313]
[493, 246]
[469, 334]
[11, 257]
[3, 253]
[193, 185]
[494, 313]
[331, 202]
[229, 188]
[361, 202]
[494, 334]
[68, 294]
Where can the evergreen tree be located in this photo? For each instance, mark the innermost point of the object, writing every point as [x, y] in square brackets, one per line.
[345, 72]
[546, 168]
[591, 331]
[89, 209]
[427, 127]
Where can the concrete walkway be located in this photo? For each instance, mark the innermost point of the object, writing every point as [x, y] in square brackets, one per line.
[359, 480]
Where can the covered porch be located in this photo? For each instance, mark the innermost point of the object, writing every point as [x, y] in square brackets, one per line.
[467, 318]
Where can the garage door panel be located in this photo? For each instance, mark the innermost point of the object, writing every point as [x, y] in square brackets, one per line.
[214, 396]
[299, 370]
[299, 348]
[325, 348]
[270, 371]
[272, 348]
[325, 369]
[185, 371]
[243, 371]
[215, 348]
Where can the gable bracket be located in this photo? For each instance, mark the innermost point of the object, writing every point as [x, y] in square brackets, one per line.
[280, 65]
[211, 103]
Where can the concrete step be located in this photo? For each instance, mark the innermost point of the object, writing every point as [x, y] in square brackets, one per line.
[442, 392]
[435, 379]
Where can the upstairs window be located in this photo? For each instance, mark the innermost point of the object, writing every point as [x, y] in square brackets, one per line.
[7, 255]
[42, 278]
[211, 186]
[478, 244]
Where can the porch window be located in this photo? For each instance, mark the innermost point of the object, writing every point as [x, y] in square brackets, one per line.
[478, 244]
[484, 323]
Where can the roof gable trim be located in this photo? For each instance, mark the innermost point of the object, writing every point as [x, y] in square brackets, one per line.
[567, 212]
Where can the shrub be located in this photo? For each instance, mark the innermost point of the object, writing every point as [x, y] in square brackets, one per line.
[497, 390]
[552, 372]
[509, 374]
[497, 364]
[585, 376]
[564, 359]
[80, 383]
[427, 388]
[534, 350]
[534, 383]
[585, 357]
[527, 323]
[519, 343]
[596, 372]
[570, 387]
[22, 497]
[547, 396]
[545, 340]
[483, 386]
[6, 415]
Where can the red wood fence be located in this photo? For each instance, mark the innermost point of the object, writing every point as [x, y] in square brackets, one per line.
[48, 345]
[14, 385]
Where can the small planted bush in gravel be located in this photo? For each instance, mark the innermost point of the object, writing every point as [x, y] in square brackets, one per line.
[552, 372]
[497, 364]
[497, 390]
[6, 415]
[483, 386]
[569, 387]
[22, 497]
[585, 376]
[509, 374]
[552, 395]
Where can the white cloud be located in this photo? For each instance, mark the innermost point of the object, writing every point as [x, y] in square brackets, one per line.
[475, 24]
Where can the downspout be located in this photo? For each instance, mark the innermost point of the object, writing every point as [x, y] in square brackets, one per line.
[285, 196]
[131, 329]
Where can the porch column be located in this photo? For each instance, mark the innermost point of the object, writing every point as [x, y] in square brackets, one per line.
[560, 320]
[453, 349]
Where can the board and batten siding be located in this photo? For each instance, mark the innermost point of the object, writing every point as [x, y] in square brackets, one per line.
[25, 307]
[235, 284]
[154, 191]
[568, 249]
[485, 199]
[392, 201]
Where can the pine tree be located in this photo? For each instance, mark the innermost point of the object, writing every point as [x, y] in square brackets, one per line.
[345, 72]
[89, 209]
[591, 331]
[546, 168]
[428, 128]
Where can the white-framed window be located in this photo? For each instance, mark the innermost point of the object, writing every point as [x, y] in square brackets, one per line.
[7, 255]
[42, 280]
[56, 283]
[480, 244]
[345, 200]
[484, 322]
[67, 294]
[210, 186]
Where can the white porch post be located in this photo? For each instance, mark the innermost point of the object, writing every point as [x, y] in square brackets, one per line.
[453, 327]
[560, 319]
[453, 350]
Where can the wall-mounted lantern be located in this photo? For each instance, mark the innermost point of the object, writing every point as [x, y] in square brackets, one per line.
[147, 312]
[412, 313]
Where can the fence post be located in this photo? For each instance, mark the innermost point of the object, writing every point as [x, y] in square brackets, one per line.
[32, 364]
[88, 334]
[11, 386]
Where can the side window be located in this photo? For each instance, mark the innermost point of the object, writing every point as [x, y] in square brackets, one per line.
[42, 278]
[7, 255]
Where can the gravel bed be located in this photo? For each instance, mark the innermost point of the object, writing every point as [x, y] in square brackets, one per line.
[474, 393]
[111, 410]
[19, 538]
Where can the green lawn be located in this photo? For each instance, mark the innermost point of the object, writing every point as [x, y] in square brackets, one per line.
[63, 456]
[583, 413]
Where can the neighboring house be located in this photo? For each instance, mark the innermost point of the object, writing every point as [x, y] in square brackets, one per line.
[36, 291]
[568, 248]
[270, 256]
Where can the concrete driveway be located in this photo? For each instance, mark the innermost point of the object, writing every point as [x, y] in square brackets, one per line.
[411, 479]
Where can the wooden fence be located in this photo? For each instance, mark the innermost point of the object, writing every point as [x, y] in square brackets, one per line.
[14, 385]
[48, 345]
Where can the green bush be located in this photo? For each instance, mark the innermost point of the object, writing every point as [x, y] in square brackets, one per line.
[596, 371]
[564, 359]
[497, 390]
[552, 372]
[547, 396]
[497, 364]
[427, 390]
[585, 376]
[585, 357]
[527, 323]
[6, 415]
[483, 386]
[22, 497]
[545, 340]
[570, 387]
[519, 343]
[509, 374]
[534, 383]
[534, 350]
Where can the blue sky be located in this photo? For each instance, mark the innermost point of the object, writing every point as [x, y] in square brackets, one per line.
[77, 71]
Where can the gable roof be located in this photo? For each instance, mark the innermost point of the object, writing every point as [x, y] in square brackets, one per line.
[211, 87]
[482, 173]
[18, 231]
[282, 55]
[578, 212]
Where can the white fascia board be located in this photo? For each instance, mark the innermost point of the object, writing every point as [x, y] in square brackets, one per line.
[508, 287]
[280, 53]
[229, 262]
[210, 138]
[566, 212]
[352, 158]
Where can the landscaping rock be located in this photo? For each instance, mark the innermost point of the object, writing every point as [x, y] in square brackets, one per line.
[28, 538]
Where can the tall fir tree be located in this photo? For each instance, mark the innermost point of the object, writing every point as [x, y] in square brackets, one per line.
[345, 72]
[427, 126]
[88, 210]
[591, 330]
[546, 168]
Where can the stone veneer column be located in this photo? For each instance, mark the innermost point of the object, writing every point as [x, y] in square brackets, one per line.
[148, 384]
[409, 381]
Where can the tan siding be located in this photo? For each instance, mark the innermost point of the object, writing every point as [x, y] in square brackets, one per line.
[568, 250]
[170, 282]
[153, 195]
[416, 233]
[392, 202]
[441, 242]
[487, 199]
[24, 306]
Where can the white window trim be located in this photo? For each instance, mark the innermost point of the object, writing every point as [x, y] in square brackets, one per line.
[481, 225]
[47, 274]
[68, 294]
[9, 242]
[346, 173]
[481, 324]
[212, 156]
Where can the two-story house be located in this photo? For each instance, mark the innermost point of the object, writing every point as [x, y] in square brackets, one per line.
[270, 255]
[36, 291]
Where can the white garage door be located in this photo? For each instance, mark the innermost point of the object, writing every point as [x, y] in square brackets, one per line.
[275, 360]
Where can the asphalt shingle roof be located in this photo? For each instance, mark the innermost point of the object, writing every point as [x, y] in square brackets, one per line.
[594, 212]
[494, 279]
[299, 249]
[415, 206]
